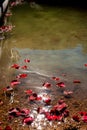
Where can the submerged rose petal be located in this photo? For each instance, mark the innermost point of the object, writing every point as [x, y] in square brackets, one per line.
[61, 84]
[84, 118]
[29, 91]
[39, 98]
[24, 67]
[47, 85]
[26, 60]
[25, 112]
[16, 66]
[14, 82]
[67, 93]
[76, 81]
[1, 128]
[8, 128]
[21, 76]
[60, 107]
[83, 113]
[56, 78]
[48, 100]
[33, 97]
[54, 117]
[28, 120]
[76, 118]
[15, 112]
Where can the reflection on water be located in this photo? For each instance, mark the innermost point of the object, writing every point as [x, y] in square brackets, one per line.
[50, 28]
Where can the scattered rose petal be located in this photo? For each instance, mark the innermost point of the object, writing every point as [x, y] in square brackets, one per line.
[76, 118]
[56, 78]
[76, 81]
[1, 128]
[48, 100]
[14, 82]
[61, 85]
[27, 60]
[28, 120]
[83, 113]
[8, 128]
[24, 67]
[21, 76]
[85, 65]
[29, 91]
[25, 112]
[47, 85]
[15, 66]
[67, 93]
[33, 97]
[84, 118]
[38, 98]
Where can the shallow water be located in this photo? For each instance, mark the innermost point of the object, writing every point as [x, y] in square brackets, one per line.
[54, 39]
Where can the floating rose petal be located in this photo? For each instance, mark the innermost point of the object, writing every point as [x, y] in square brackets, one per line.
[76, 118]
[54, 117]
[27, 60]
[28, 120]
[83, 113]
[67, 93]
[24, 67]
[84, 118]
[33, 97]
[60, 107]
[29, 91]
[15, 112]
[16, 66]
[56, 78]
[38, 98]
[85, 65]
[25, 112]
[21, 76]
[14, 82]
[66, 113]
[8, 128]
[47, 101]
[47, 85]
[76, 81]
[61, 85]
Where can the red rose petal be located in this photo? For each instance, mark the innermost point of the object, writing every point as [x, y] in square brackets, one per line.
[61, 85]
[14, 82]
[28, 120]
[76, 118]
[47, 85]
[27, 60]
[21, 76]
[8, 128]
[85, 65]
[84, 118]
[76, 81]
[16, 66]
[29, 91]
[24, 67]
[56, 78]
